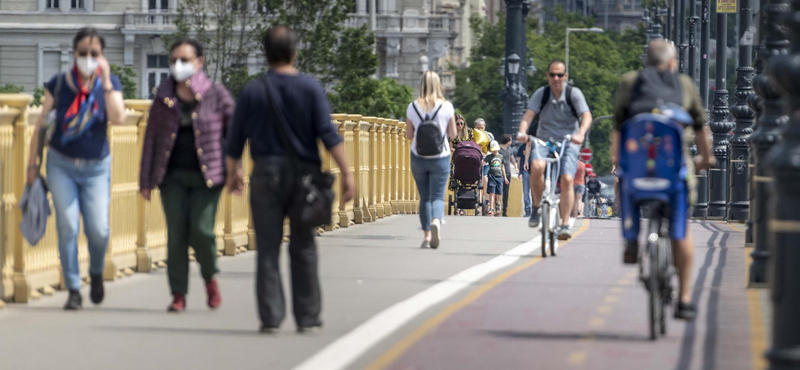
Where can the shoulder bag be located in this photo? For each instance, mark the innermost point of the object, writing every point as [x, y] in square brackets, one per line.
[312, 195]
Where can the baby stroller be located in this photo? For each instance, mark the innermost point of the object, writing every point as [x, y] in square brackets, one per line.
[466, 181]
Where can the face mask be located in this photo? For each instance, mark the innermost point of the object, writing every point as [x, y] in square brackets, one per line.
[182, 71]
[86, 65]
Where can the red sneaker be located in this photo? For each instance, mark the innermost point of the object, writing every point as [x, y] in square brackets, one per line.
[178, 303]
[214, 298]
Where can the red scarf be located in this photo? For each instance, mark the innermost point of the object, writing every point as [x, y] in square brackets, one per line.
[80, 96]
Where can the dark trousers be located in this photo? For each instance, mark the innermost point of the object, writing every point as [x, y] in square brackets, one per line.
[190, 209]
[270, 201]
[505, 194]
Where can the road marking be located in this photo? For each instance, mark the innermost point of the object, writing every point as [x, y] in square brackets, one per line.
[625, 281]
[577, 358]
[617, 290]
[736, 227]
[352, 345]
[597, 322]
[604, 309]
[611, 299]
[758, 333]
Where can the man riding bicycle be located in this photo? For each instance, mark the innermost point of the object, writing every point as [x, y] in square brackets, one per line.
[562, 111]
[642, 92]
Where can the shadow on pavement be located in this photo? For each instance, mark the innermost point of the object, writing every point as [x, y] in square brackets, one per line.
[600, 336]
[191, 331]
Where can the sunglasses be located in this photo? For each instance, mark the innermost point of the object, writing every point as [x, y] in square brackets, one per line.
[84, 53]
[459, 123]
[559, 75]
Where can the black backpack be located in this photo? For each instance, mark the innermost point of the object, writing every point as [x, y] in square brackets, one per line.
[546, 99]
[652, 89]
[430, 140]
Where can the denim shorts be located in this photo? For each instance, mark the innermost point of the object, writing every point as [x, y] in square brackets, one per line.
[495, 185]
[569, 162]
[580, 189]
[485, 170]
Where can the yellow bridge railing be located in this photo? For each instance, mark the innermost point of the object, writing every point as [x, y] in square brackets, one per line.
[376, 149]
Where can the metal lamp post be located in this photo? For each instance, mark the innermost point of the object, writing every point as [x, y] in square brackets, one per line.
[720, 126]
[738, 204]
[701, 210]
[784, 221]
[569, 30]
[767, 132]
[681, 36]
[514, 95]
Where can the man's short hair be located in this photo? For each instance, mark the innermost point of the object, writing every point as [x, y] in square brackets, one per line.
[556, 61]
[660, 52]
[280, 45]
[506, 139]
[479, 120]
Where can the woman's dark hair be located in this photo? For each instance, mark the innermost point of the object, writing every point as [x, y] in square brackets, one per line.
[91, 33]
[280, 45]
[198, 47]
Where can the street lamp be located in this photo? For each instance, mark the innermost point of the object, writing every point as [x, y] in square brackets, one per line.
[593, 29]
[531, 68]
[502, 68]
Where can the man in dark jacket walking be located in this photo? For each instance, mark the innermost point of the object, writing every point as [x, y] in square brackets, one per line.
[272, 184]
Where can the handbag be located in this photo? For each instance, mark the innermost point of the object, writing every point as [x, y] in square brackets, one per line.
[312, 196]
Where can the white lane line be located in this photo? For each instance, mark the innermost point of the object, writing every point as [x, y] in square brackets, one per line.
[348, 348]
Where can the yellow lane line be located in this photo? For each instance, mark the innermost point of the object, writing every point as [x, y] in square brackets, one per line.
[758, 333]
[577, 358]
[617, 290]
[597, 322]
[403, 345]
[611, 299]
[604, 309]
[736, 227]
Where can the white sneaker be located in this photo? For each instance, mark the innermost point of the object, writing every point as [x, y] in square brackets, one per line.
[571, 222]
[435, 230]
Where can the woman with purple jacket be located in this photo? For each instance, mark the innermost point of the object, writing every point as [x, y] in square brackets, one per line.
[183, 156]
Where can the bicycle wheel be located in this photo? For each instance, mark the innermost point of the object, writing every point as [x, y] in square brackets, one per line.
[665, 263]
[553, 236]
[653, 278]
[545, 224]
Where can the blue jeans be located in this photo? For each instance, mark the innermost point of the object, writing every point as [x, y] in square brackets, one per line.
[430, 174]
[526, 191]
[80, 188]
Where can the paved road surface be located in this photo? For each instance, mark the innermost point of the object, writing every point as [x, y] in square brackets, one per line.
[582, 309]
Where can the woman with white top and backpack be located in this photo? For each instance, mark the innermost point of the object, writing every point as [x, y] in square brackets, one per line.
[430, 123]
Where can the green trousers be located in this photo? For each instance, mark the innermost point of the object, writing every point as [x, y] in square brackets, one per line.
[190, 208]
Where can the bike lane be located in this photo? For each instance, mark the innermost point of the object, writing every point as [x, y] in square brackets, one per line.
[586, 310]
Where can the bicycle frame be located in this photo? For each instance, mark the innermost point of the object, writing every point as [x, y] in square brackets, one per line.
[550, 200]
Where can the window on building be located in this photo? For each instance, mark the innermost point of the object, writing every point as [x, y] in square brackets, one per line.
[51, 64]
[158, 5]
[157, 71]
[51, 4]
[78, 4]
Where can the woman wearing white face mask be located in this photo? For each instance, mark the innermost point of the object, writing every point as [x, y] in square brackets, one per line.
[183, 157]
[87, 98]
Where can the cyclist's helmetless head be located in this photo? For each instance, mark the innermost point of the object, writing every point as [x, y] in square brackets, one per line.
[480, 124]
[557, 75]
[663, 55]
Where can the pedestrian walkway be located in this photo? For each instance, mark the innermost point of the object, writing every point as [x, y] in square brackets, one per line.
[499, 309]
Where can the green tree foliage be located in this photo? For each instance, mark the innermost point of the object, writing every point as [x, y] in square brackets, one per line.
[127, 77]
[597, 60]
[11, 89]
[355, 90]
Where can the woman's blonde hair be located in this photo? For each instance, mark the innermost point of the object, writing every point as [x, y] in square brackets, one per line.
[464, 132]
[430, 91]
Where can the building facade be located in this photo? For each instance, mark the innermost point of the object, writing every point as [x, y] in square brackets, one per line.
[36, 37]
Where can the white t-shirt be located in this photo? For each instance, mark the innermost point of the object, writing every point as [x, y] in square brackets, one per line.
[442, 118]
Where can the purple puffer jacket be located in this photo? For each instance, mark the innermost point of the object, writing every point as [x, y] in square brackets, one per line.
[212, 117]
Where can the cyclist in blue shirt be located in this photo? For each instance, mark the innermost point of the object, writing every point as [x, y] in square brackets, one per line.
[661, 67]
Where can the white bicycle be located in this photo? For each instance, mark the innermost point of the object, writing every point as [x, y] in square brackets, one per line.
[549, 209]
